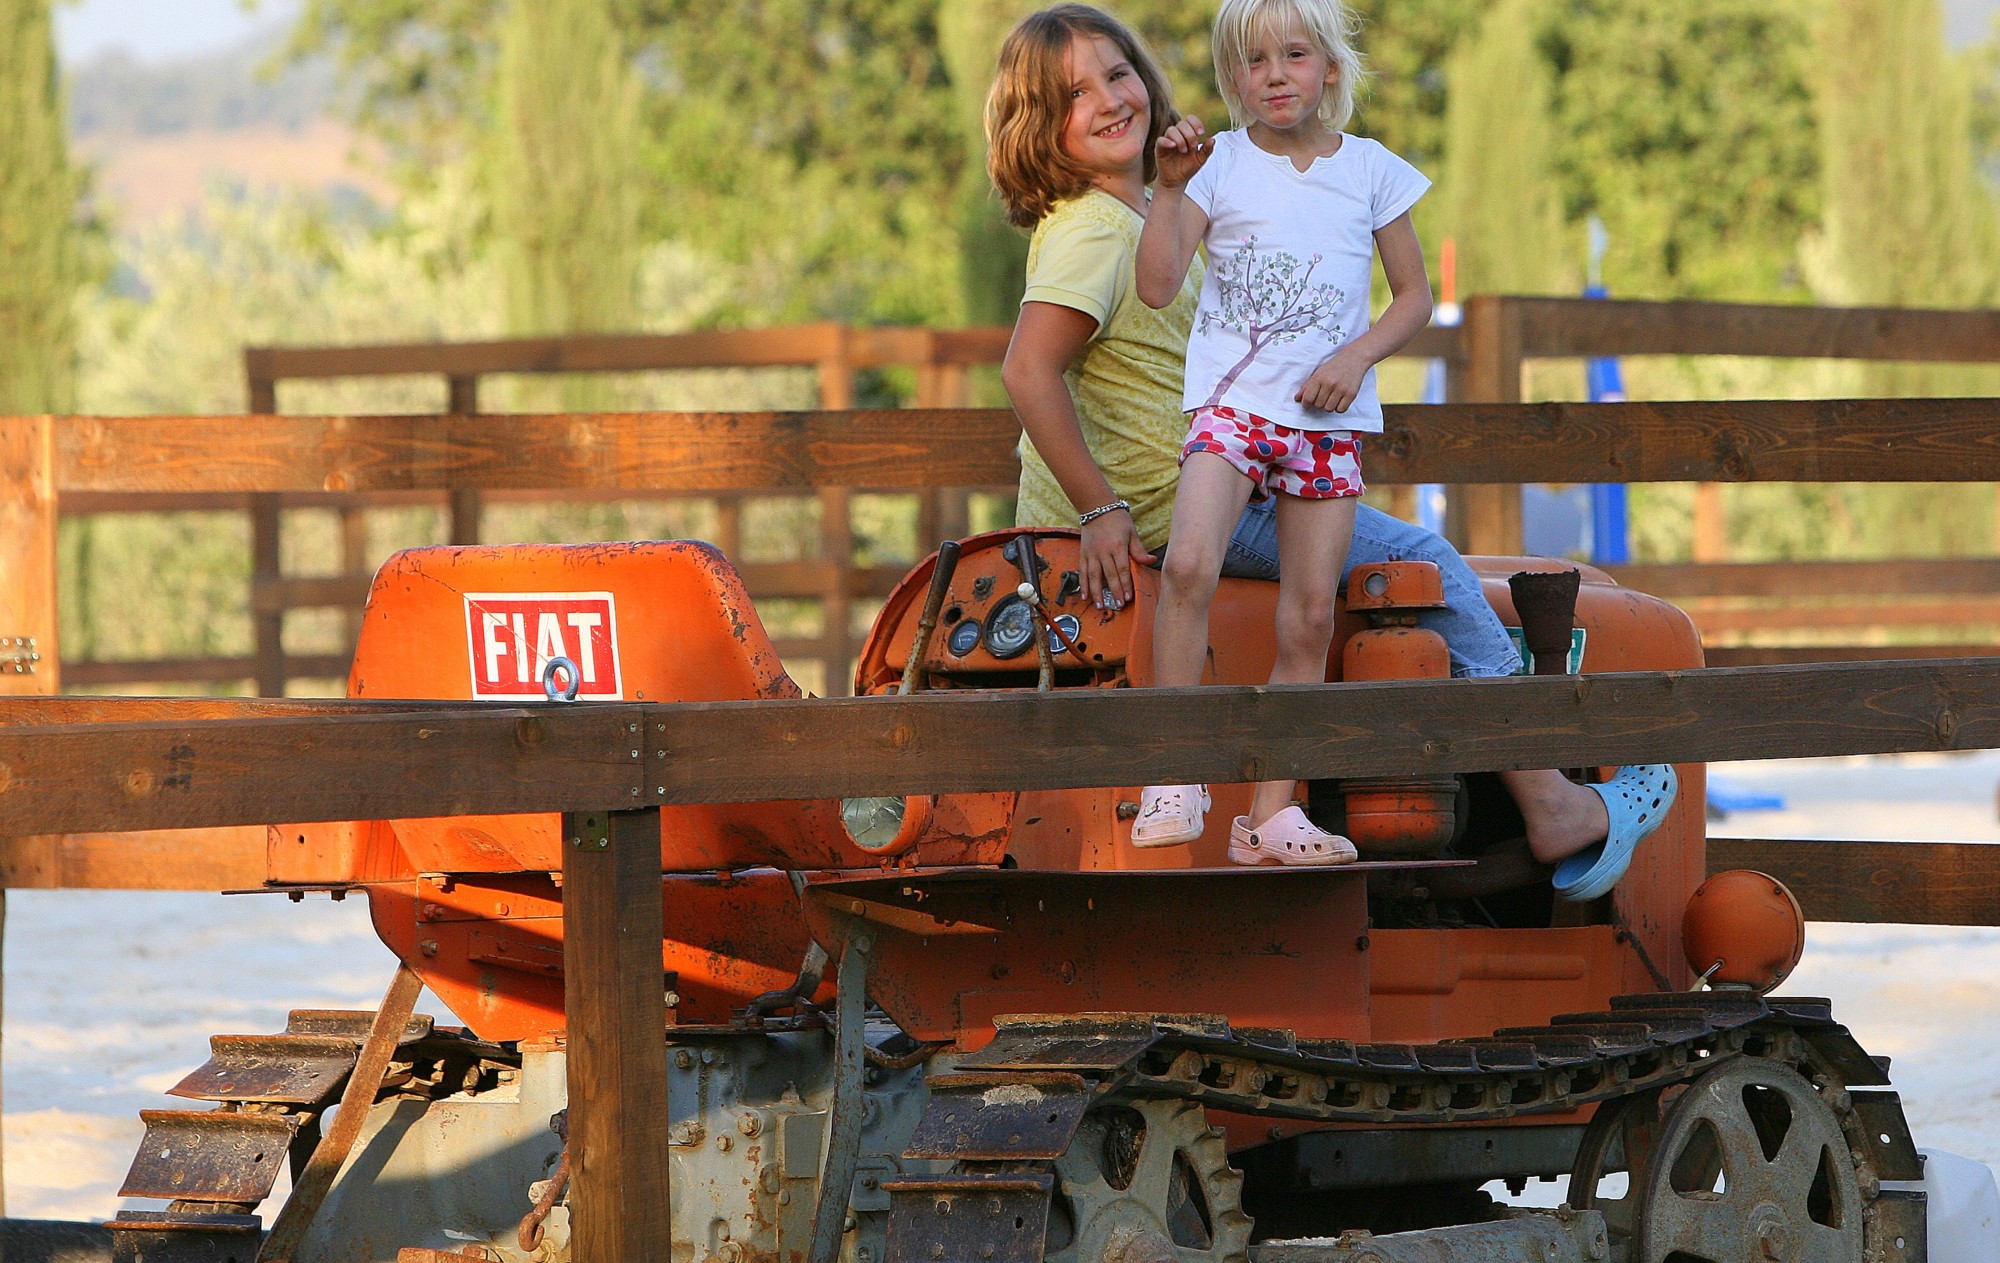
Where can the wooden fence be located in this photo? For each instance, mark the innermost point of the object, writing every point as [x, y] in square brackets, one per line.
[1486, 355]
[86, 783]
[1840, 597]
[941, 359]
[44, 461]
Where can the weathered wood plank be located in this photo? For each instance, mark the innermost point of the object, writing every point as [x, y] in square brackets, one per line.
[166, 859]
[788, 345]
[1732, 441]
[728, 751]
[27, 556]
[1915, 576]
[454, 760]
[1578, 326]
[614, 1003]
[274, 595]
[1837, 440]
[550, 453]
[1781, 655]
[1906, 883]
[784, 346]
[182, 710]
[458, 760]
[90, 674]
[1961, 612]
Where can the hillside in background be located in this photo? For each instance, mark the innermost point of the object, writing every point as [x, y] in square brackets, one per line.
[156, 135]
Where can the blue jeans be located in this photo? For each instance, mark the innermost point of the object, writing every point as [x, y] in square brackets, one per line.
[1479, 644]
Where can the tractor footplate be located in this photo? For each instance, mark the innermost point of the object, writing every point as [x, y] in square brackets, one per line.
[1895, 1152]
[175, 1236]
[352, 1025]
[284, 1069]
[999, 1218]
[1000, 1116]
[209, 1155]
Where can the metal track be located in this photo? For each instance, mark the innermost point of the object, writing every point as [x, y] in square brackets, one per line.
[1019, 1099]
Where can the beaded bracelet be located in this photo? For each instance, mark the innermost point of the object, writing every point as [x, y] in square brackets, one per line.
[1085, 519]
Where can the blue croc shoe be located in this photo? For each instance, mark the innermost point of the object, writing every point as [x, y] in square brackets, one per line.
[1637, 800]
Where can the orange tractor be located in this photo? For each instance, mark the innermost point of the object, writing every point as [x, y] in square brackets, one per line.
[987, 1027]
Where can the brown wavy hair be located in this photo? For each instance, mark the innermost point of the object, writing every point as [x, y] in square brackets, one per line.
[1028, 108]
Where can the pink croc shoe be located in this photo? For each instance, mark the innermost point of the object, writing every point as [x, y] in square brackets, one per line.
[1287, 838]
[1170, 815]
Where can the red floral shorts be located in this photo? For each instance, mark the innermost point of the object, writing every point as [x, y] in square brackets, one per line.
[1309, 464]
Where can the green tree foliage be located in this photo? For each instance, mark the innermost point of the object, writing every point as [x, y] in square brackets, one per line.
[40, 246]
[563, 175]
[992, 255]
[418, 69]
[821, 135]
[1689, 128]
[1499, 194]
[1910, 218]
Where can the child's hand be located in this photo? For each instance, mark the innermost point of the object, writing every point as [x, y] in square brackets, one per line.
[1181, 151]
[1110, 545]
[1334, 384]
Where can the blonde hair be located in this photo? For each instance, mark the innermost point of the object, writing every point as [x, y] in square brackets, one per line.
[1028, 109]
[1329, 24]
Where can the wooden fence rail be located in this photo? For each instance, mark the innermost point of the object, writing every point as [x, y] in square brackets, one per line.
[89, 766]
[45, 460]
[181, 767]
[1486, 356]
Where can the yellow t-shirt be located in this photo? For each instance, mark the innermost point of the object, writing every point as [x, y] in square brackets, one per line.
[1127, 382]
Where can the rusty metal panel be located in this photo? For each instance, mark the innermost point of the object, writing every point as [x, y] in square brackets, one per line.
[1903, 1225]
[208, 1155]
[955, 1218]
[1890, 1145]
[1725, 1010]
[351, 1024]
[288, 1069]
[163, 1236]
[1847, 1057]
[1269, 948]
[1018, 1115]
[1065, 1041]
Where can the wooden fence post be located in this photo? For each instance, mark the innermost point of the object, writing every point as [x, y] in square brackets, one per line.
[1711, 523]
[614, 998]
[1486, 517]
[28, 659]
[266, 567]
[466, 503]
[836, 529]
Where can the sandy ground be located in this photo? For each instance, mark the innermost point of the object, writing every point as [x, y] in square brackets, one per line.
[110, 997]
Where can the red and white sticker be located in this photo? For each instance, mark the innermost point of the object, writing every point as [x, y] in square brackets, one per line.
[513, 635]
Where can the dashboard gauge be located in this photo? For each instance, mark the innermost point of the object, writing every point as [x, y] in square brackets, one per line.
[1010, 631]
[964, 638]
[1069, 627]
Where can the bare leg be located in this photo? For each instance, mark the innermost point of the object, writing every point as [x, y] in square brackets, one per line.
[1211, 497]
[1563, 817]
[1313, 536]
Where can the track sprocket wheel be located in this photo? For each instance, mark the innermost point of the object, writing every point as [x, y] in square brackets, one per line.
[1747, 1164]
[1147, 1182]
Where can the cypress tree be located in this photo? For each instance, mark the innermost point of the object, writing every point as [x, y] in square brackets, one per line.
[1500, 197]
[40, 264]
[1909, 218]
[992, 255]
[564, 169]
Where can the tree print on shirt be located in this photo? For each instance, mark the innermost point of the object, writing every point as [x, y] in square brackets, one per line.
[1269, 299]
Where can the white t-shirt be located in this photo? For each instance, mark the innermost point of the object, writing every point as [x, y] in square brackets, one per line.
[1290, 257]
